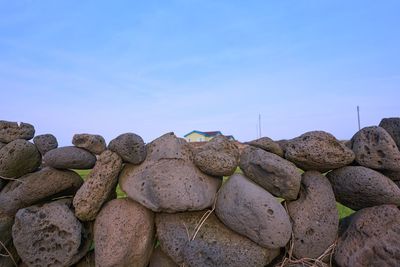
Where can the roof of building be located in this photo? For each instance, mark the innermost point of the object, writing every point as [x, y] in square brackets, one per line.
[207, 134]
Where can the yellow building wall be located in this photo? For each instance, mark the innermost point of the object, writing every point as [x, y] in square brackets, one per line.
[195, 137]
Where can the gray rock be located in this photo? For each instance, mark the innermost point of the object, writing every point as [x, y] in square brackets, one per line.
[218, 157]
[130, 147]
[283, 144]
[358, 187]
[251, 211]
[18, 158]
[371, 239]
[69, 157]
[124, 234]
[168, 180]
[267, 144]
[10, 131]
[392, 126]
[275, 174]
[213, 245]
[92, 142]
[48, 235]
[45, 143]
[314, 216]
[375, 148]
[98, 185]
[319, 151]
[160, 259]
[36, 187]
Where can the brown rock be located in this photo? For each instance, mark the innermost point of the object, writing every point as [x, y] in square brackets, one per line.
[160, 259]
[371, 239]
[375, 148]
[314, 216]
[358, 187]
[267, 144]
[319, 151]
[92, 142]
[213, 245]
[69, 157]
[392, 126]
[45, 143]
[275, 174]
[130, 147]
[249, 210]
[283, 144]
[123, 234]
[18, 158]
[10, 131]
[98, 185]
[218, 157]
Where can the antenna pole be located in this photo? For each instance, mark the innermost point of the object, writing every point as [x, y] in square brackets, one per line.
[259, 125]
[358, 117]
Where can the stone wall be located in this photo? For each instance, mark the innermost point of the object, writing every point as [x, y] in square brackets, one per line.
[193, 206]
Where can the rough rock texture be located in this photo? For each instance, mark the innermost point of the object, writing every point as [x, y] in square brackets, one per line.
[314, 216]
[375, 148]
[17, 158]
[38, 186]
[2, 144]
[69, 157]
[87, 261]
[98, 185]
[372, 238]
[10, 131]
[130, 147]
[267, 144]
[283, 143]
[249, 210]
[124, 234]
[358, 187]
[277, 175]
[168, 180]
[160, 259]
[45, 143]
[392, 126]
[218, 157]
[92, 142]
[48, 235]
[319, 151]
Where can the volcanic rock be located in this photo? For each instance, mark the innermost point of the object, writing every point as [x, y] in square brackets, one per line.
[10, 131]
[45, 143]
[392, 126]
[130, 147]
[267, 144]
[69, 157]
[92, 142]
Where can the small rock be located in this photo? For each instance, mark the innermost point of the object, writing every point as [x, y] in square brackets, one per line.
[371, 239]
[100, 182]
[160, 259]
[267, 144]
[375, 148]
[92, 142]
[124, 234]
[10, 131]
[392, 126]
[319, 151]
[275, 174]
[130, 147]
[45, 143]
[69, 157]
[358, 187]
[17, 158]
[314, 216]
[218, 157]
[213, 245]
[87, 261]
[38, 186]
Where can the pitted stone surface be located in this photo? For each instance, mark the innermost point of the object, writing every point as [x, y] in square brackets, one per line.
[92, 142]
[130, 147]
[392, 126]
[45, 143]
[69, 157]
[10, 131]
[267, 144]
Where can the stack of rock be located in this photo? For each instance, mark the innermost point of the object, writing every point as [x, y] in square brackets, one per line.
[193, 206]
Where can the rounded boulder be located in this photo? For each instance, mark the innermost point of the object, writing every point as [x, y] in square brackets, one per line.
[10, 131]
[69, 157]
[267, 144]
[92, 142]
[130, 147]
[392, 126]
[45, 143]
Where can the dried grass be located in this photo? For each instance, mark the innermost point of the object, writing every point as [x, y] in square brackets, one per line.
[8, 254]
[12, 179]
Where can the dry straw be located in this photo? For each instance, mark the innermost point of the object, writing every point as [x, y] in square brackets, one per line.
[8, 254]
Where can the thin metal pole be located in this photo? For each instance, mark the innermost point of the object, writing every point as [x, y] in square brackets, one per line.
[358, 117]
[259, 125]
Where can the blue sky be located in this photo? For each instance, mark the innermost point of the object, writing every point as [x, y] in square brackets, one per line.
[151, 67]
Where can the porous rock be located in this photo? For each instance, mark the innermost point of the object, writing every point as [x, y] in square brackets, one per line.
[319, 151]
[278, 176]
[359, 187]
[124, 234]
[98, 185]
[392, 126]
[10, 131]
[92, 142]
[213, 245]
[130, 147]
[168, 180]
[45, 143]
[218, 157]
[267, 144]
[17, 158]
[160, 259]
[314, 216]
[371, 239]
[69, 157]
[375, 148]
[249, 210]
